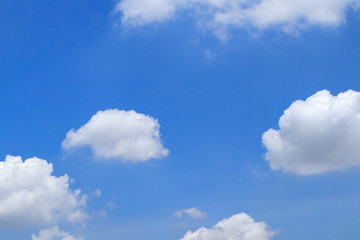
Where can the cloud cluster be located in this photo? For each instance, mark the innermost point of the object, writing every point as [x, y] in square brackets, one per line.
[237, 227]
[31, 196]
[190, 212]
[118, 134]
[54, 234]
[318, 135]
[290, 16]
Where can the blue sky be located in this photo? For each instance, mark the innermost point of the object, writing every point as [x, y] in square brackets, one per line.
[62, 62]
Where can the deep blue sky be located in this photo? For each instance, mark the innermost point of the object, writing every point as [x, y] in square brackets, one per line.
[62, 61]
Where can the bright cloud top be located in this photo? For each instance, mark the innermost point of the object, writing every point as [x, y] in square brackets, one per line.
[191, 212]
[237, 227]
[318, 135]
[30, 195]
[220, 14]
[118, 134]
[54, 234]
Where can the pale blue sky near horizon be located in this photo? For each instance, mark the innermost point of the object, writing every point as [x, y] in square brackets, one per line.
[63, 61]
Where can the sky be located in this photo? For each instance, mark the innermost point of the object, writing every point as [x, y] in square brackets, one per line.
[179, 119]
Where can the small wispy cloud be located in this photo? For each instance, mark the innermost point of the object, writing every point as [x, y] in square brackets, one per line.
[190, 212]
[209, 55]
[97, 192]
[111, 204]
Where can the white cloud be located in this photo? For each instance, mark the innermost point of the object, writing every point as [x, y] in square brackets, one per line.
[100, 213]
[31, 196]
[118, 134]
[209, 55]
[112, 205]
[54, 234]
[140, 12]
[191, 212]
[97, 192]
[318, 135]
[220, 14]
[237, 227]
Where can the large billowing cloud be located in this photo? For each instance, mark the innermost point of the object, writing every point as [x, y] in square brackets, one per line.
[219, 14]
[54, 234]
[118, 134]
[30, 195]
[237, 227]
[318, 135]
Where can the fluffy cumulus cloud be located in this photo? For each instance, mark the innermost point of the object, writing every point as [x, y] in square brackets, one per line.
[118, 134]
[318, 135]
[220, 14]
[237, 227]
[54, 234]
[190, 212]
[30, 195]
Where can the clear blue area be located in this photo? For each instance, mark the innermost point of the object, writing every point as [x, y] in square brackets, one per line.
[62, 61]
